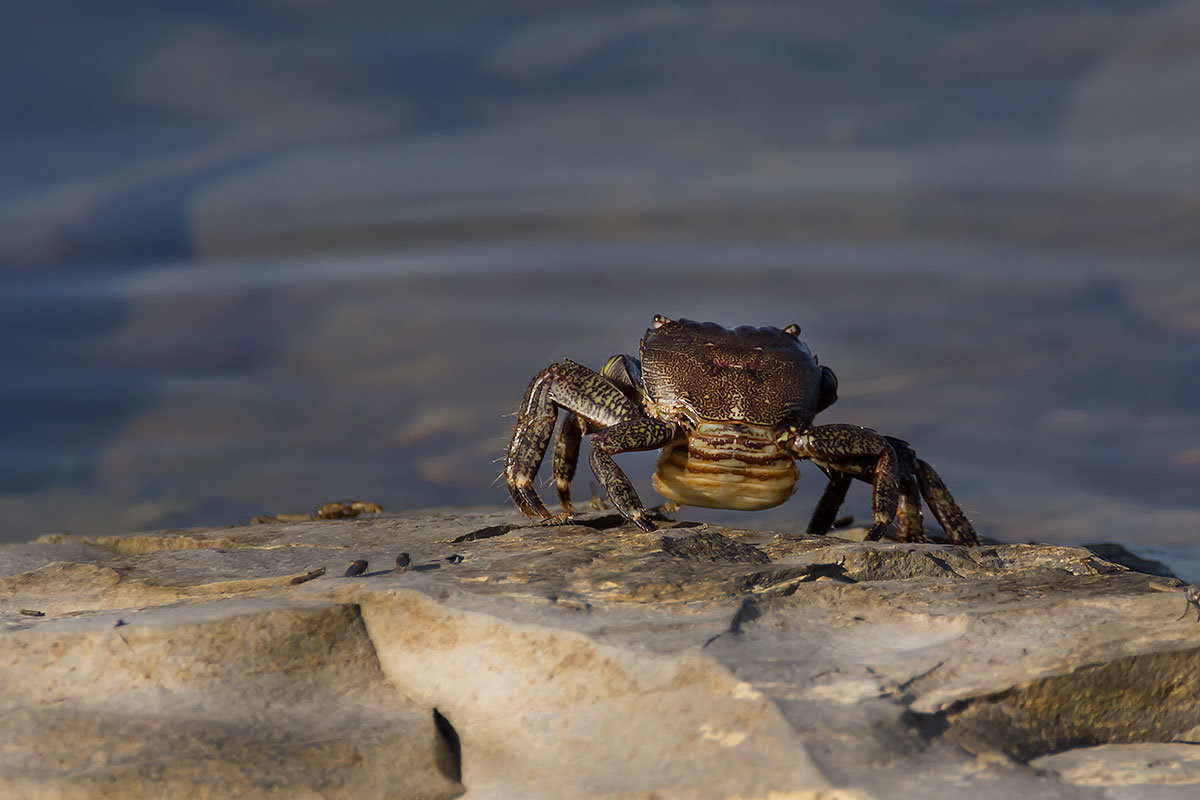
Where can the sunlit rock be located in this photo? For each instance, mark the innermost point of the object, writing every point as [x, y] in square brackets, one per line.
[509, 659]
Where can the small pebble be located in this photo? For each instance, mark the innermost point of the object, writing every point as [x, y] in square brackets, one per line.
[356, 568]
[454, 559]
[29, 612]
[403, 562]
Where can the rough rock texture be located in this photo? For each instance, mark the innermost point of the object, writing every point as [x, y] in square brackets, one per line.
[586, 660]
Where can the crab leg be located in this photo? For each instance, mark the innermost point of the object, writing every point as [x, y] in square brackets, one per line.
[530, 437]
[639, 434]
[831, 500]
[623, 371]
[910, 523]
[566, 456]
[943, 506]
[861, 453]
[579, 390]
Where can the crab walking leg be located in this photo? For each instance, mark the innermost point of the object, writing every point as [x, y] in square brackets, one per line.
[567, 385]
[566, 457]
[943, 506]
[860, 452]
[531, 436]
[829, 504]
[641, 434]
[910, 523]
[885, 500]
[626, 373]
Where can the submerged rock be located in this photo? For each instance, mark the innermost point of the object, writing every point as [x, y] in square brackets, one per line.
[510, 659]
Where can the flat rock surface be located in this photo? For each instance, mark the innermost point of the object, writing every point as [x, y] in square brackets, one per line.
[586, 660]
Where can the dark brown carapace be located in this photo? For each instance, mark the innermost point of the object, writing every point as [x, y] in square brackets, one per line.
[734, 392]
[732, 410]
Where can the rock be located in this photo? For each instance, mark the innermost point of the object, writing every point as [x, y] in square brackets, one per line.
[585, 660]
[1119, 554]
[1137, 768]
[230, 699]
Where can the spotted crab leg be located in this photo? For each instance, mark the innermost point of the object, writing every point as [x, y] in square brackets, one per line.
[566, 456]
[831, 500]
[861, 453]
[944, 508]
[848, 451]
[624, 372]
[600, 403]
[909, 520]
[910, 523]
[640, 434]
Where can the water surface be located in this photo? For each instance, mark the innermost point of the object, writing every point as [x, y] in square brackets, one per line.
[285, 252]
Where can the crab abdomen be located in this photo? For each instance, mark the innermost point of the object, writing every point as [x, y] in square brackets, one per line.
[725, 465]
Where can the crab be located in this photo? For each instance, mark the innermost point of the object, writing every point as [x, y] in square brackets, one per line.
[732, 410]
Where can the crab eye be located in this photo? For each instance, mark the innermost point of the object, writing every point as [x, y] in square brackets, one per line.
[660, 320]
[793, 329]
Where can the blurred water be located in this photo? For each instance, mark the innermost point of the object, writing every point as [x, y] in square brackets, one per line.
[284, 252]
